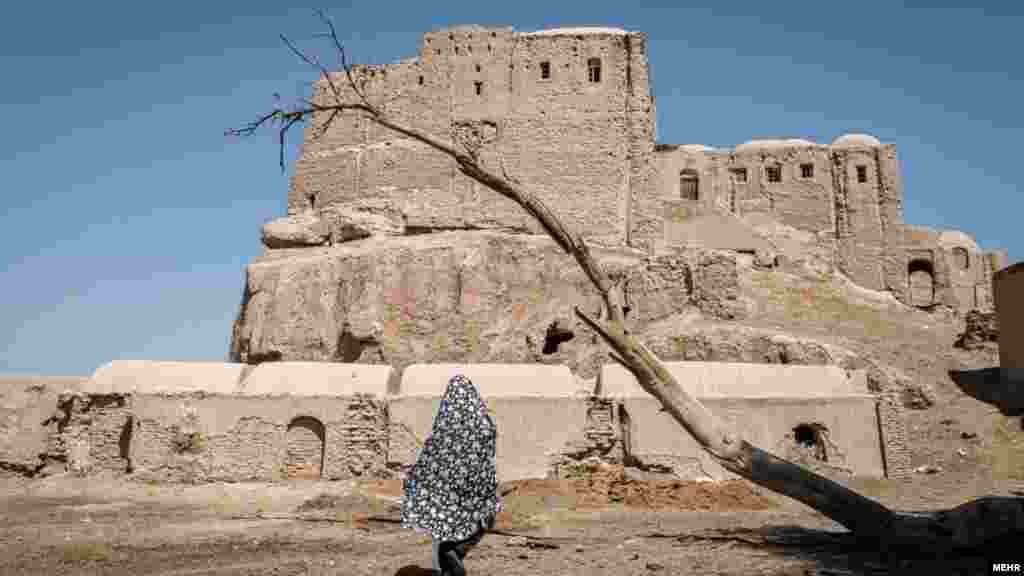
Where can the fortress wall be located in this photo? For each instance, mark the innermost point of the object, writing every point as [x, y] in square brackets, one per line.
[962, 276]
[861, 243]
[894, 263]
[564, 137]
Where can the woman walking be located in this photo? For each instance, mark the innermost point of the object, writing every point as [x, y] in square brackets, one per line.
[452, 491]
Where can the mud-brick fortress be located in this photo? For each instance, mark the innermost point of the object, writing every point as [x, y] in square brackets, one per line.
[392, 272]
[569, 113]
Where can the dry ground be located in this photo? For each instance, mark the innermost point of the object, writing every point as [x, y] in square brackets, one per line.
[67, 525]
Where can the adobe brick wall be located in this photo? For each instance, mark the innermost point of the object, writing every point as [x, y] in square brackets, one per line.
[579, 145]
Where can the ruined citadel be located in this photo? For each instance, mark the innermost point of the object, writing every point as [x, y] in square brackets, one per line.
[392, 271]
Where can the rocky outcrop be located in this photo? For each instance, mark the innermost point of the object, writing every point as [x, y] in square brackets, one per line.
[461, 296]
[295, 231]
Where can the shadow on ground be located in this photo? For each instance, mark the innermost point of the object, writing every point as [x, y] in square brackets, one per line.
[841, 553]
[992, 386]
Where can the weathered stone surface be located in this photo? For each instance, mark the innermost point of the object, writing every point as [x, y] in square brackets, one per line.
[297, 230]
[980, 329]
[362, 220]
[462, 296]
[27, 426]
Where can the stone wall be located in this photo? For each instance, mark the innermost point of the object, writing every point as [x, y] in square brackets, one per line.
[28, 425]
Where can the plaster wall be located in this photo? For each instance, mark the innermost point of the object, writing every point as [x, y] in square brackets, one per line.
[743, 380]
[853, 439]
[533, 432]
[231, 438]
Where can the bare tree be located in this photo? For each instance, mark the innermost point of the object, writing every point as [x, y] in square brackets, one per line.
[967, 526]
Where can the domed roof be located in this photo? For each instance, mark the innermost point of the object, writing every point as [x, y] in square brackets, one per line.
[856, 141]
[773, 143]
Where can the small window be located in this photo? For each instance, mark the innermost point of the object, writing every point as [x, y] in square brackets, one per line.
[456, 49]
[477, 67]
[594, 70]
[807, 170]
[421, 80]
[774, 173]
[689, 185]
[862, 174]
[488, 47]
[545, 70]
[739, 174]
[479, 87]
[963, 259]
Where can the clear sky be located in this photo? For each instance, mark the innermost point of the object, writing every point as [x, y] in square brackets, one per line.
[128, 217]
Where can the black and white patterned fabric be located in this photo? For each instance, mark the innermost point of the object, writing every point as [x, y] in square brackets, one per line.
[452, 491]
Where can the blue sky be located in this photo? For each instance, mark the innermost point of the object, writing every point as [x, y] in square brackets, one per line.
[128, 217]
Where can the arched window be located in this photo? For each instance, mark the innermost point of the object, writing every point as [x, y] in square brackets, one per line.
[594, 70]
[961, 258]
[305, 448]
[922, 283]
[689, 185]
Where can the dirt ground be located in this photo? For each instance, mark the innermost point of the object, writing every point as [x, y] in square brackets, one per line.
[65, 525]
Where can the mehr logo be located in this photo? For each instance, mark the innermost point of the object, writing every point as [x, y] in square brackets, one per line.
[1006, 568]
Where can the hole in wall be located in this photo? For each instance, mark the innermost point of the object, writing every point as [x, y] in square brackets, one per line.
[811, 437]
[554, 337]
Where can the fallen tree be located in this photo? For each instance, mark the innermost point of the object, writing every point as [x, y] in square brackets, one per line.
[970, 525]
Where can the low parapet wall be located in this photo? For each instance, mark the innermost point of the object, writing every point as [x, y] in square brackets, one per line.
[200, 421]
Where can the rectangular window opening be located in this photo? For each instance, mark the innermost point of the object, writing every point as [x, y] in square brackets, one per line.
[479, 87]
[739, 174]
[774, 173]
[545, 70]
[807, 170]
[862, 174]
[594, 70]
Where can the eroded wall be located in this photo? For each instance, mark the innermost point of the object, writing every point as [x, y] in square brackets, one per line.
[577, 143]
